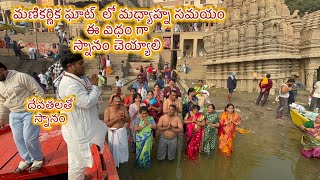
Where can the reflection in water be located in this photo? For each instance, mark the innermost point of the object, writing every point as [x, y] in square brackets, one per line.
[266, 153]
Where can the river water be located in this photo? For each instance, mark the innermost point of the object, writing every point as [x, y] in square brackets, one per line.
[268, 152]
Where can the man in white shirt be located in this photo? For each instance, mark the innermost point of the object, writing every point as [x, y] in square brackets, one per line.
[83, 127]
[32, 53]
[119, 83]
[315, 96]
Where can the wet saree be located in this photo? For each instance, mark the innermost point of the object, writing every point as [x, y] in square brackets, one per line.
[194, 136]
[311, 145]
[210, 133]
[144, 141]
[227, 132]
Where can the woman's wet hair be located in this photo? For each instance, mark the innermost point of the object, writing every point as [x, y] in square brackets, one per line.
[142, 109]
[213, 107]
[195, 107]
[228, 105]
[135, 96]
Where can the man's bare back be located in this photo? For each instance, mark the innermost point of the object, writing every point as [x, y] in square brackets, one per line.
[112, 117]
[171, 122]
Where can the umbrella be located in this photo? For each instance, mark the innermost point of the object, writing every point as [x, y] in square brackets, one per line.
[17, 29]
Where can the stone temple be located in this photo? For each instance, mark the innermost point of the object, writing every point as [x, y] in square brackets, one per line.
[260, 37]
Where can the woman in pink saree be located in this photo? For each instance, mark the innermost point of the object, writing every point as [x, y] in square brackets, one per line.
[194, 131]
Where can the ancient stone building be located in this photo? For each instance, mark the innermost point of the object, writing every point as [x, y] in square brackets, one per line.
[260, 37]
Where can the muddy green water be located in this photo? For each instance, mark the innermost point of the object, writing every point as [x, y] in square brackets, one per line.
[269, 152]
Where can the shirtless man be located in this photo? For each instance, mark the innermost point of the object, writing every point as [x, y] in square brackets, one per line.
[172, 100]
[115, 117]
[117, 91]
[169, 126]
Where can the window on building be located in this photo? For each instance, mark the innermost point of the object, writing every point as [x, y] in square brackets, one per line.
[192, 2]
[202, 1]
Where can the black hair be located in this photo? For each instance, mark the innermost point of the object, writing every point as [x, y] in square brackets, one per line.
[150, 91]
[156, 84]
[195, 107]
[100, 73]
[228, 105]
[173, 91]
[115, 96]
[213, 107]
[133, 89]
[200, 81]
[69, 57]
[291, 80]
[117, 77]
[135, 96]
[174, 106]
[268, 75]
[172, 80]
[143, 108]
[190, 90]
[3, 66]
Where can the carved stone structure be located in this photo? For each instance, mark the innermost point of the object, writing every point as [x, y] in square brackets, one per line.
[260, 37]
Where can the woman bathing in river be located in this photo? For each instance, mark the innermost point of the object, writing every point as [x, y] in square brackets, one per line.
[211, 129]
[144, 139]
[227, 130]
[194, 124]
[311, 139]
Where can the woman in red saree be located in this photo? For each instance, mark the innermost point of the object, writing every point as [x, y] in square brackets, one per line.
[154, 107]
[194, 125]
[227, 130]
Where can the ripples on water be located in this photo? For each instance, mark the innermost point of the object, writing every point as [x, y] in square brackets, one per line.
[269, 154]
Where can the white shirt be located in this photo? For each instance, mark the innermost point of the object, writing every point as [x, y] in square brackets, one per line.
[316, 93]
[43, 79]
[83, 126]
[119, 83]
[108, 62]
[285, 95]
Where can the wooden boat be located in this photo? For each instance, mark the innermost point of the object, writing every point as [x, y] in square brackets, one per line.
[56, 158]
[297, 118]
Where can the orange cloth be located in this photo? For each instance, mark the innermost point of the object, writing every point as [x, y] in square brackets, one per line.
[227, 132]
[109, 70]
[264, 81]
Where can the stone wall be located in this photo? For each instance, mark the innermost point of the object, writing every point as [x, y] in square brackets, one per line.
[249, 73]
[261, 37]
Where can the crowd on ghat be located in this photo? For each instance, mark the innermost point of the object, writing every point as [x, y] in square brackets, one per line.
[154, 109]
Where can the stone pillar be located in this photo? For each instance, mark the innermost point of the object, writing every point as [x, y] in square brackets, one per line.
[3, 17]
[181, 47]
[195, 47]
[309, 79]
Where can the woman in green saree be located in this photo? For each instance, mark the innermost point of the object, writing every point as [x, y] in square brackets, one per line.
[211, 129]
[144, 138]
[311, 139]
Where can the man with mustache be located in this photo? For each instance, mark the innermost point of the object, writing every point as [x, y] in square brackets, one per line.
[115, 117]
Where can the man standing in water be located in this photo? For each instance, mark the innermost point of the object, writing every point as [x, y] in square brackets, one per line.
[15, 87]
[172, 100]
[115, 117]
[83, 127]
[169, 126]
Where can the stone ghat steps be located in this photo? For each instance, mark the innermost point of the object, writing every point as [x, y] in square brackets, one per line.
[197, 70]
